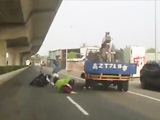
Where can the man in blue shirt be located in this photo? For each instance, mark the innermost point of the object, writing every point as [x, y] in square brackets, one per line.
[56, 67]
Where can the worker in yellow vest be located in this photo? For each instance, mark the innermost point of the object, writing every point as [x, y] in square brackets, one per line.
[65, 85]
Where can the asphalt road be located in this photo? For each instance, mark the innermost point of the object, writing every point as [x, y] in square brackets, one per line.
[19, 101]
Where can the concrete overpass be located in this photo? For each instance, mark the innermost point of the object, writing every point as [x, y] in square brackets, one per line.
[23, 27]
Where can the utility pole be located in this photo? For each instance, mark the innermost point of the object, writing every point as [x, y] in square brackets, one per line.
[66, 58]
[155, 31]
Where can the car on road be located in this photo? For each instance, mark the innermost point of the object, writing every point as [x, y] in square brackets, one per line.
[150, 75]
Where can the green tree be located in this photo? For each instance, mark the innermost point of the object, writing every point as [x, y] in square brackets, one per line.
[72, 55]
[150, 50]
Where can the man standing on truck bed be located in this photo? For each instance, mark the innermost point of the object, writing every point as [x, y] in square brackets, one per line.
[105, 48]
[107, 38]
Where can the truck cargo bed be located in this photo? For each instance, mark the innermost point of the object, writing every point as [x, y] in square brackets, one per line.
[98, 68]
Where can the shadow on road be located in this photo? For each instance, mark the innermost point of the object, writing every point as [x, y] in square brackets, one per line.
[151, 88]
[155, 89]
[81, 87]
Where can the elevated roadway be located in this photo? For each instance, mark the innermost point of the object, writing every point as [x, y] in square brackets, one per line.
[23, 27]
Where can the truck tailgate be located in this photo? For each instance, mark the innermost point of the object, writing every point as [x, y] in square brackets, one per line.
[110, 68]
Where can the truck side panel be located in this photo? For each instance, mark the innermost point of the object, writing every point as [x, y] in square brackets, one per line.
[110, 68]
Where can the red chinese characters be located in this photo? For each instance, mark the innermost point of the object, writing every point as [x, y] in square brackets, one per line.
[139, 60]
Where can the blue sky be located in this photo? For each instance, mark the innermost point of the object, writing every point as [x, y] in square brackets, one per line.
[78, 22]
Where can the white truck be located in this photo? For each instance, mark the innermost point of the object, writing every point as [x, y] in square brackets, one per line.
[135, 54]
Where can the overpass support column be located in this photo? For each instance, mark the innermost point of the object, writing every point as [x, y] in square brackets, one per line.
[3, 51]
[23, 59]
[14, 57]
[17, 58]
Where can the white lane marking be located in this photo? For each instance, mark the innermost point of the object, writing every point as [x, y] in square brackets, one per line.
[134, 93]
[152, 98]
[77, 105]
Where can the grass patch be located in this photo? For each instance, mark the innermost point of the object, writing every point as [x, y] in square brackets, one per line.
[6, 69]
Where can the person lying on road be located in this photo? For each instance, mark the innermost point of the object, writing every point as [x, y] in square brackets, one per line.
[64, 85]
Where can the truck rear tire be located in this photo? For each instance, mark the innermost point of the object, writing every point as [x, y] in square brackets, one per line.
[106, 85]
[120, 87]
[125, 85]
[87, 83]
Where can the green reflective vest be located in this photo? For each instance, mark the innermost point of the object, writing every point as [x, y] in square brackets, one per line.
[61, 82]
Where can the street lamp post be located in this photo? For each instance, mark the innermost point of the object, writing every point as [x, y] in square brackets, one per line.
[66, 58]
[155, 32]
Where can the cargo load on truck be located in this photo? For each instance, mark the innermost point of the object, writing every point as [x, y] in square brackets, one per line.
[99, 67]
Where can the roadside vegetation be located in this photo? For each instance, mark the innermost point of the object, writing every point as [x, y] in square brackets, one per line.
[6, 69]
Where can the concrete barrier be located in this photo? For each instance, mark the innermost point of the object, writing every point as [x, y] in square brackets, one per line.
[10, 75]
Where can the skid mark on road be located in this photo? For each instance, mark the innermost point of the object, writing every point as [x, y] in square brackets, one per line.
[77, 105]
